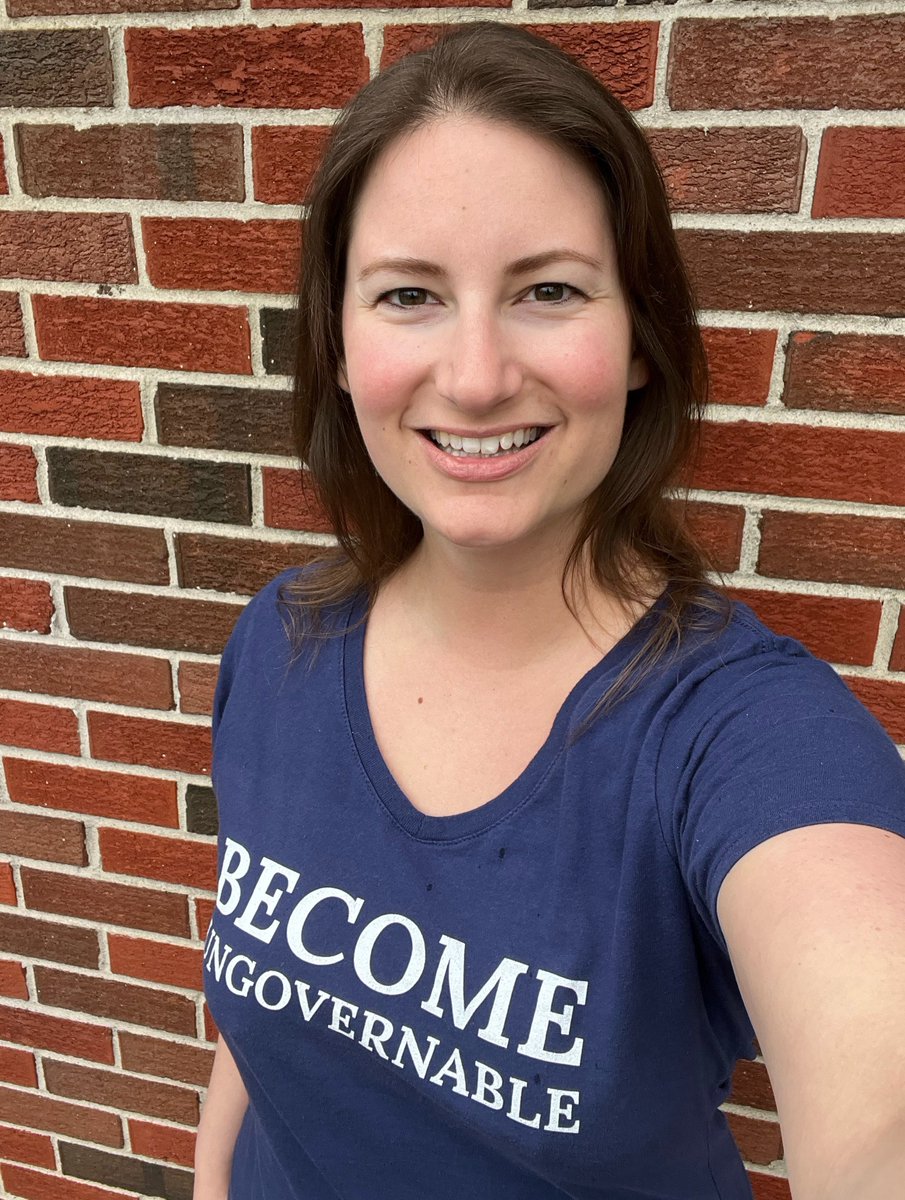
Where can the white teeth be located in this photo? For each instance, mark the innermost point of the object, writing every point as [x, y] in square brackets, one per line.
[486, 447]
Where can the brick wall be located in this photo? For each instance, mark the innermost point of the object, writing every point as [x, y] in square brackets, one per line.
[152, 152]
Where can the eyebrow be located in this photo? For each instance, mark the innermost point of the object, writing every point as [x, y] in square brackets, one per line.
[521, 266]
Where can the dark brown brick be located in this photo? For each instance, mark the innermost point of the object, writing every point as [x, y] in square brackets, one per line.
[834, 628]
[50, 68]
[279, 334]
[100, 793]
[66, 406]
[170, 1060]
[116, 1001]
[78, 1039]
[731, 170]
[165, 745]
[846, 372]
[102, 550]
[802, 460]
[30, 8]
[32, 938]
[246, 66]
[788, 62]
[197, 681]
[621, 54]
[75, 1120]
[200, 809]
[150, 484]
[253, 419]
[171, 623]
[59, 670]
[105, 901]
[284, 160]
[141, 162]
[53, 839]
[248, 564]
[12, 336]
[77, 247]
[117, 1090]
[143, 333]
[797, 272]
[833, 547]
[117, 1170]
[897, 658]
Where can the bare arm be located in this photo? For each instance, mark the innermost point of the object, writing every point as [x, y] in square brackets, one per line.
[221, 1116]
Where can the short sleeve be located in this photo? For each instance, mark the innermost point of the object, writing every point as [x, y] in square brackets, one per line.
[770, 743]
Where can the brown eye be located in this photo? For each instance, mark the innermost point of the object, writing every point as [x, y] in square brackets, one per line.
[409, 297]
[544, 291]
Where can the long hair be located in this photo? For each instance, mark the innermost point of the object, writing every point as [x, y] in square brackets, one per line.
[508, 74]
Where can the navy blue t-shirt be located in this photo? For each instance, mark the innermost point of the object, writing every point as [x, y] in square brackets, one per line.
[532, 999]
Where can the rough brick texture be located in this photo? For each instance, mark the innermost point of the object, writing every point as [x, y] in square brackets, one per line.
[151, 169]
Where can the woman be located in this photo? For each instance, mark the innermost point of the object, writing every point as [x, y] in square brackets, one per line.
[466, 940]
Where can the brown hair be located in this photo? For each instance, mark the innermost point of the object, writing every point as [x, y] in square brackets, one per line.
[506, 73]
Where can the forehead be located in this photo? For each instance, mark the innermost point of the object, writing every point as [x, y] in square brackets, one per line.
[477, 182]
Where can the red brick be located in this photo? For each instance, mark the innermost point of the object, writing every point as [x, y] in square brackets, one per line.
[67, 406]
[29, 8]
[834, 628]
[835, 547]
[731, 170]
[758, 1140]
[291, 503]
[222, 254]
[861, 173]
[22, 1146]
[284, 160]
[113, 1000]
[886, 700]
[376, 4]
[117, 1090]
[751, 1086]
[163, 744]
[4, 186]
[38, 726]
[18, 473]
[845, 372]
[35, 1185]
[718, 528]
[98, 793]
[13, 982]
[141, 333]
[12, 336]
[797, 272]
[26, 605]
[897, 659]
[621, 54]
[140, 680]
[57, 1116]
[159, 962]
[77, 247]
[170, 1060]
[136, 161]
[100, 900]
[740, 362]
[23, 934]
[787, 62]
[197, 681]
[204, 911]
[7, 884]
[50, 838]
[190, 863]
[210, 1026]
[769, 1187]
[18, 1066]
[103, 550]
[802, 460]
[246, 66]
[161, 1142]
[77, 1039]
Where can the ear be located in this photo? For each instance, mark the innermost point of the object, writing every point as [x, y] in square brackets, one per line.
[638, 373]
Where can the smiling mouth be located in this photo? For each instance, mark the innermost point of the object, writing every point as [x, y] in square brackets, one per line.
[486, 447]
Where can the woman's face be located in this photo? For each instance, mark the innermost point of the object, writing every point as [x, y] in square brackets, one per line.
[509, 318]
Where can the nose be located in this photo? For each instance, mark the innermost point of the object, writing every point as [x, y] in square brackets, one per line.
[479, 366]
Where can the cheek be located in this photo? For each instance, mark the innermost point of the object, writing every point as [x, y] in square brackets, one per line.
[382, 373]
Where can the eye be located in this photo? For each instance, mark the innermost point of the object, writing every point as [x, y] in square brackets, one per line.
[553, 300]
[409, 296]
